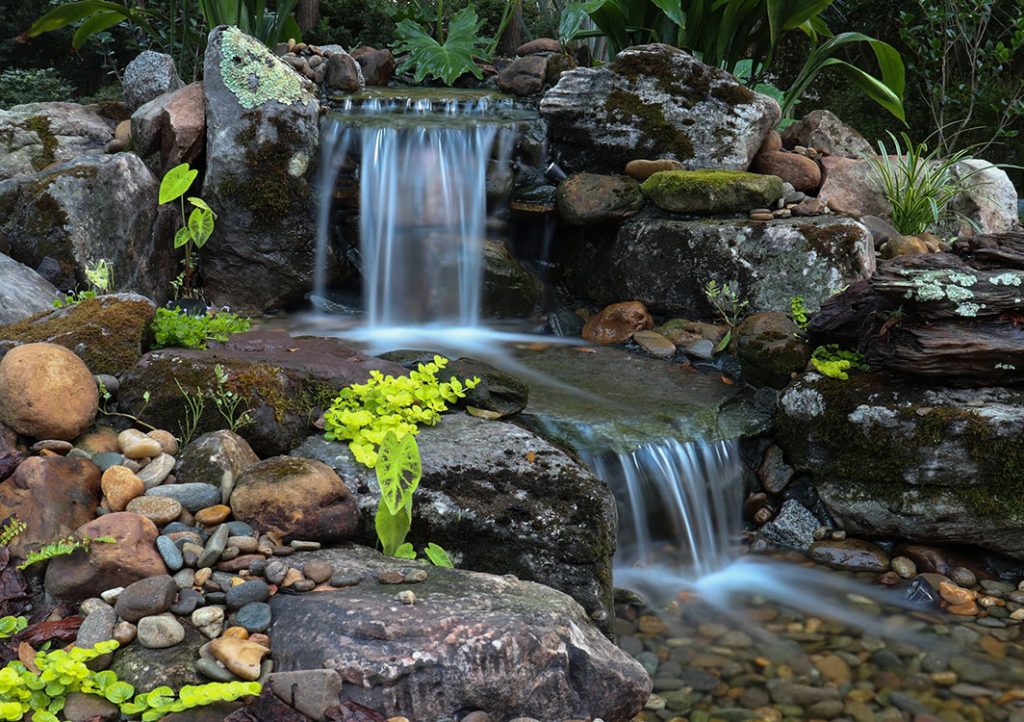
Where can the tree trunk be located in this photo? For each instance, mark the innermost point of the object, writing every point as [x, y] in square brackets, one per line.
[307, 14]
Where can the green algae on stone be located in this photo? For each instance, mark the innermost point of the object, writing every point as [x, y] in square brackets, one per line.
[711, 191]
[624, 107]
[254, 75]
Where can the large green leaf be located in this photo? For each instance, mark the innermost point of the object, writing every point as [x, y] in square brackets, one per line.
[457, 56]
[71, 13]
[398, 470]
[200, 226]
[176, 182]
[571, 23]
[182, 237]
[97, 23]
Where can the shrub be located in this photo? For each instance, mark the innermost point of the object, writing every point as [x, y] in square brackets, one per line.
[177, 328]
[351, 23]
[36, 85]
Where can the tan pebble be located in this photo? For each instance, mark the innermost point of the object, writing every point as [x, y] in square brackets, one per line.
[235, 581]
[136, 445]
[955, 594]
[213, 515]
[291, 576]
[398, 719]
[120, 485]
[967, 609]
[168, 443]
[944, 679]
[241, 656]
[203, 576]
[761, 216]
[1017, 615]
[124, 632]
[260, 638]
[651, 624]
[236, 632]
[406, 596]
[158, 509]
[993, 647]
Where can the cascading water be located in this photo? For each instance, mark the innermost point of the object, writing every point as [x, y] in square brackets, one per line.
[422, 167]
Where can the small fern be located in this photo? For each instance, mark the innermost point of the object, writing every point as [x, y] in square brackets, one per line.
[63, 547]
[12, 528]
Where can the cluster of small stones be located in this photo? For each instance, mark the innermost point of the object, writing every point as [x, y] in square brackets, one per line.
[310, 61]
[793, 204]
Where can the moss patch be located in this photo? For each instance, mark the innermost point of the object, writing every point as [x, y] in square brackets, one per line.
[41, 127]
[663, 136]
[711, 191]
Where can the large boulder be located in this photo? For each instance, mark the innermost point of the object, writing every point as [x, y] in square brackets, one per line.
[500, 499]
[285, 382]
[295, 498]
[46, 392]
[655, 101]
[96, 207]
[989, 205]
[892, 460]
[107, 332]
[23, 292]
[710, 192]
[850, 186]
[824, 131]
[37, 135]
[171, 128]
[149, 75]
[53, 496]
[666, 262]
[262, 135]
[470, 641]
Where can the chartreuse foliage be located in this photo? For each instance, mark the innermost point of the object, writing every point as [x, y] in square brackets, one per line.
[399, 470]
[196, 229]
[835, 362]
[363, 414]
[177, 328]
[10, 626]
[41, 691]
[62, 547]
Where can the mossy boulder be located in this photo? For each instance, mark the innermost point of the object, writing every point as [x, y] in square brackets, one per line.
[108, 332]
[509, 290]
[889, 459]
[770, 349]
[37, 135]
[711, 191]
[74, 214]
[589, 198]
[262, 134]
[655, 101]
[665, 262]
[500, 499]
[285, 383]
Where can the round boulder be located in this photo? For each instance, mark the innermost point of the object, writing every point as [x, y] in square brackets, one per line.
[46, 392]
[296, 498]
[617, 323]
[802, 173]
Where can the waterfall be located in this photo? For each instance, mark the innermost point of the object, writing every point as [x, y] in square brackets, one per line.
[422, 169]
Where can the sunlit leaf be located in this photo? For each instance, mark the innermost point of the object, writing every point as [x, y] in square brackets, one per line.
[176, 182]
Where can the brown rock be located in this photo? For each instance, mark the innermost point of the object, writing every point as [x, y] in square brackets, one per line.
[171, 128]
[654, 343]
[769, 349]
[241, 656]
[800, 172]
[682, 331]
[296, 498]
[158, 509]
[53, 496]
[617, 323]
[378, 65]
[137, 445]
[540, 45]
[903, 246]
[213, 515]
[120, 485]
[588, 198]
[852, 554]
[168, 442]
[46, 392]
[131, 557]
[967, 609]
[343, 73]
[641, 169]
[849, 186]
[772, 142]
[525, 76]
[123, 133]
[955, 594]
[821, 129]
[98, 440]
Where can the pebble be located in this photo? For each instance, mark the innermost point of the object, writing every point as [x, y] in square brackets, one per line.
[209, 621]
[240, 528]
[203, 576]
[255, 617]
[239, 632]
[304, 585]
[344, 579]
[110, 596]
[120, 486]
[154, 473]
[761, 214]
[904, 567]
[304, 546]
[318, 570]
[136, 445]
[241, 656]
[55, 445]
[252, 591]
[275, 571]
[160, 631]
[97, 627]
[188, 601]
[106, 459]
[212, 669]
[655, 344]
[125, 632]
[159, 510]
[213, 515]
[291, 577]
[147, 597]
[415, 576]
[193, 496]
[391, 576]
[170, 553]
[168, 442]
[240, 563]
[244, 544]
[963, 576]
[214, 546]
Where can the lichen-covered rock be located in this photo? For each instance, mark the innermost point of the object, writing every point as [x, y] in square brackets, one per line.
[711, 191]
[892, 460]
[149, 75]
[96, 207]
[655, 101]
[37, 135]
[46, 392]
[509, 290]
[770, 349]
[171, 128]
[23, 292]
[589, 198]
[107, 332]
[990, 200]
[285, 382]
[824, 131]
[665, 263]
[501, 499]
[484, 642]
[262, 139]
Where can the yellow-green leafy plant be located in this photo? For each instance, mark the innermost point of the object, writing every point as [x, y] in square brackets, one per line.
[99, 275]
[363, 414]
[11, 528]
[798, 311]
[10, 626]
[195, 230]
[836, 362]
[399, 470]
[63, 547]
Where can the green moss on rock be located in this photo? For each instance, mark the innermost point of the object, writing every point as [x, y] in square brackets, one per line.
[41, 127]
[663, 137]
[254, 75]
[711, 191]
